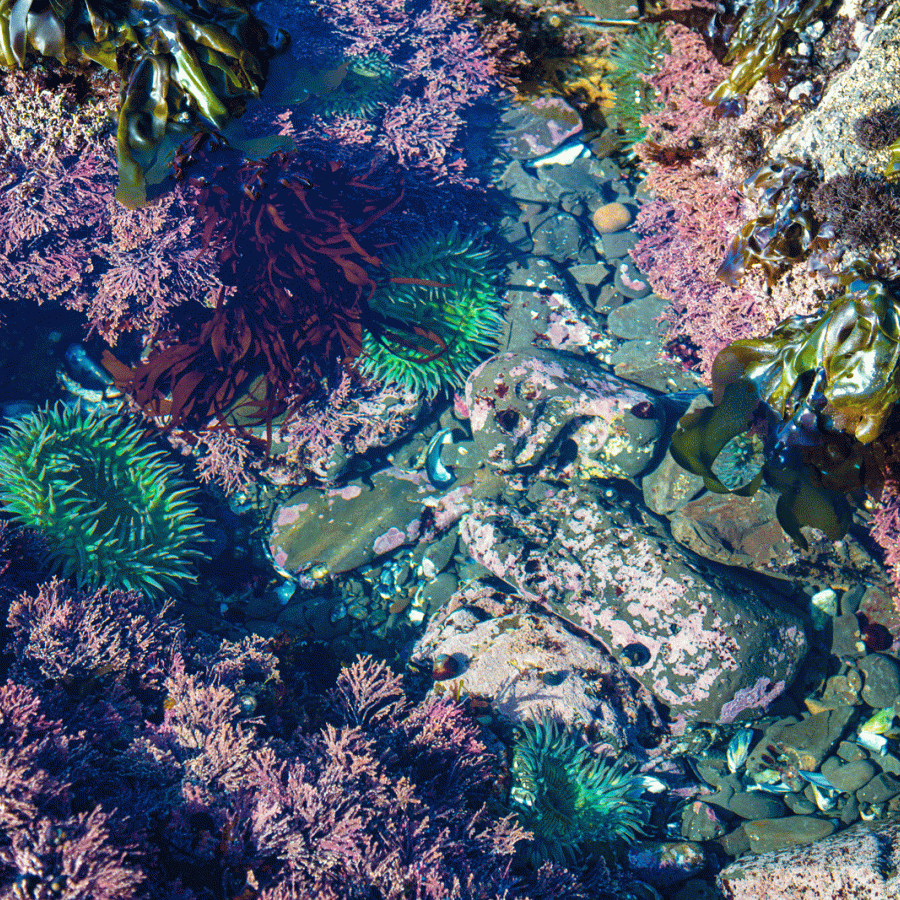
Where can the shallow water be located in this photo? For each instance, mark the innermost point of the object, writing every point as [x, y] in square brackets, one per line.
[505, 526]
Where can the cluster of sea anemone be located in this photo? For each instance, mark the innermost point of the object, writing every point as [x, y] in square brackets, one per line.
[443, 292]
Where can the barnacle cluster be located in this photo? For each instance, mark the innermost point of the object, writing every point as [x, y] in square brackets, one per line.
[568, 798]
[436, 316]
[185, 64]
[784, 229]
[757, 40]
[109, 505]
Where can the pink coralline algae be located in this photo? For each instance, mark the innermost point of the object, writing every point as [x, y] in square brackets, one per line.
[432, 70]
[757, 697]
[138, 763]
[679, 252]
[65, 239]
[349, 420]
[686, 75]
[704, 647]
[688, 228]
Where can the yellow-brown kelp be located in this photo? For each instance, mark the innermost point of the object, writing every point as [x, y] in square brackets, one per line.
[186, 65]
[757, 41]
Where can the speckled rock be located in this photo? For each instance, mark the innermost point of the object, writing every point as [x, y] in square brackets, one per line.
[881, 687]
[665, 863]
[861, 863]
[701, 822]
[523, 406]
[826, 133]
[755, 805]
[880, 789]
[557, 237]
[327, 532]
[638, 319]
[707, 648]
[528, 660]
[850, 777]
[669, 486]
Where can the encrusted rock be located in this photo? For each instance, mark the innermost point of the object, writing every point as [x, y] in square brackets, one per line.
[744, 532]
[881, 687]
[862, 863]
[665, 863]
[708, 649]
[326, 532]
[524, 407]
[528, 661]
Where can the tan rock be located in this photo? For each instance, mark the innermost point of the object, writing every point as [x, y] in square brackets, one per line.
[611, 217]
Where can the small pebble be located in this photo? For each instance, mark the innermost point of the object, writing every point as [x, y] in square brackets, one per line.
[611, 217]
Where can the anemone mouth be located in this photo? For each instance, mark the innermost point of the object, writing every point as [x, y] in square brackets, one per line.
[568, 798]
[108, 503]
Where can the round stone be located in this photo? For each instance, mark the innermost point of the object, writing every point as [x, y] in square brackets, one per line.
[882, 680]
[611, 217]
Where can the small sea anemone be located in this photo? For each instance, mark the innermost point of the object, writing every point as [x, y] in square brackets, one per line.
[110, 507]
[567, 797]
[440, 314]
[357, 86]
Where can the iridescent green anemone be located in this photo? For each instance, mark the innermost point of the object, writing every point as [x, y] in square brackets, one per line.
[567, 797]
[109, 505]
[364, 85]
[441, 314]
[636, 55]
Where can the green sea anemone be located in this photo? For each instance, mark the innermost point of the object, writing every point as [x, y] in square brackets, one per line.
[567, 797]
[109, 505]
[359, 86]
[436, 332]
[636, 55]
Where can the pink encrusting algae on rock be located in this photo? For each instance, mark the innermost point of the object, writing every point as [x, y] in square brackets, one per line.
[695, 645]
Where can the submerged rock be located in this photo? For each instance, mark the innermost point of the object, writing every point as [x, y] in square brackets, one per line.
[713, 647]
[328, 532]
[529, 661]
[862, 862]
[526, 408]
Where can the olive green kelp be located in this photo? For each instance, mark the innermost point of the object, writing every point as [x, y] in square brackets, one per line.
[818, 391]
[755, 43]
[186, 65]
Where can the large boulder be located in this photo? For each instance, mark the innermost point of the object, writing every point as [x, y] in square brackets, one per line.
[707, 645]
[860, 863]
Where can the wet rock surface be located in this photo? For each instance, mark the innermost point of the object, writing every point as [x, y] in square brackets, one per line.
[531, 661]
[705, 647]
[859, 862]
[522, 407]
